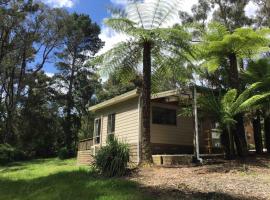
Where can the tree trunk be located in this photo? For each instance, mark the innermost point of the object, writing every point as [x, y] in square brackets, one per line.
[70, 105]
[233, 72]
[146, 100]
[240, 137]
[267, 133]
[239, 132]
[228, 144]
[257, 131]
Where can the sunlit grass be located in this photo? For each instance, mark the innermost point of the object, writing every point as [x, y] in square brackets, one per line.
[53, 179]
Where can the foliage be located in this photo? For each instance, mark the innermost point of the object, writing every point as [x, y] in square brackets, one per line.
[231, 14]
[10, 154]
[226, 107]
[218, 44]
[64, 153]
[112, 159]
[32, 103]
[77, 80]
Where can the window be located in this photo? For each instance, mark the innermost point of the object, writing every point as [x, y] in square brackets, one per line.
[111, 124]
[97, 131]
[163, 116]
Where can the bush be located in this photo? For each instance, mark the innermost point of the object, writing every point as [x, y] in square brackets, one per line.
[10, 154]
[64, 153]
[112, 160]
[6, 152]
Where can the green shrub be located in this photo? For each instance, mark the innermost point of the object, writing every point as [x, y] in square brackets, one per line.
[10, 154]
[64, 153]
[6, 153]
[112, 159]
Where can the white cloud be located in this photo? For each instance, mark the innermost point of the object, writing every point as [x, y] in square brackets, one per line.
[49, 74]
[60, 3]
[111, 38]
[119, 2]
[251, 9]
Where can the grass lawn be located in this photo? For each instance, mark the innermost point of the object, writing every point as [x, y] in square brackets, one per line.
[52, 179]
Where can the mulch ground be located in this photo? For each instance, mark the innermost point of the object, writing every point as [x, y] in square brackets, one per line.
[216, 179]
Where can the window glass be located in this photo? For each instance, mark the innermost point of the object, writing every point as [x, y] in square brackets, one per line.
[111, 124]
[97, 131]
[163, 116]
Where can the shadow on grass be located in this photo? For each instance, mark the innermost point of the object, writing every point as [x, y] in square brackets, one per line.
[70, 186]
[186, 194]
[80, 185]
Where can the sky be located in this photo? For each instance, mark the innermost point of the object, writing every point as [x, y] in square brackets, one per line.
[97, 9]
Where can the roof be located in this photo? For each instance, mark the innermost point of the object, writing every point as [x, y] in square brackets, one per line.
[133, 94]
[115, 100]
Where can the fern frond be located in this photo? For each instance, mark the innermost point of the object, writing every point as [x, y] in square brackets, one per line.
[228, 99]
[247, 93]
[251, 102]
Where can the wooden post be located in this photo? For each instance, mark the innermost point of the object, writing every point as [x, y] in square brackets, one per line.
[196, 139]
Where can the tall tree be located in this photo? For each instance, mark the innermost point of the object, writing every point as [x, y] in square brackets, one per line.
[25, 32]
[230, 13]
[81, 42]
[144, 22]
[222, 49]
[259, 70]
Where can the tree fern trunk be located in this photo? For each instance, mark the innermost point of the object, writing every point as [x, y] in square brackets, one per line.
[239, 131]
[267, 133]
[146, 99]
[240, 137]
[257, 134]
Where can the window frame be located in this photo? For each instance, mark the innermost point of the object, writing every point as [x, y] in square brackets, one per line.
[111, 127]
[97, 133]
[165, 123]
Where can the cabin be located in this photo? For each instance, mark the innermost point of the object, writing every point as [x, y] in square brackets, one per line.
[171, 133]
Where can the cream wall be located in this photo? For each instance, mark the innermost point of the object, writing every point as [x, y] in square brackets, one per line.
[181, 134]
[126, 121]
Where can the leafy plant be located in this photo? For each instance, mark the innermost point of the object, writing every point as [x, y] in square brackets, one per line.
[64, 153]
[225, 108]
[112, 160]
[10, 154]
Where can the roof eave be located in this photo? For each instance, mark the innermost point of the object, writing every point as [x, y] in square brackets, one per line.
[115, 100]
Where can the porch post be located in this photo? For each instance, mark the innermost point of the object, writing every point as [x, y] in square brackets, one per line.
[196, 135]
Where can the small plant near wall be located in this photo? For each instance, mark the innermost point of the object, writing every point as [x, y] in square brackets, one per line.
[112, 159]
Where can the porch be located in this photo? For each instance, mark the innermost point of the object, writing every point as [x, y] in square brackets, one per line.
[169, 155]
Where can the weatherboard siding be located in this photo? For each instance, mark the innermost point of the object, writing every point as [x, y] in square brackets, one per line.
[180, 134]
[126, 123]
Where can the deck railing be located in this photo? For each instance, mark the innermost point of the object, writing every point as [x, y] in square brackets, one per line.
[86, 144]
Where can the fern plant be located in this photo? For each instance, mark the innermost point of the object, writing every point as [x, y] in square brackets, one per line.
[225, 108]
[218, 44]
[147, 23]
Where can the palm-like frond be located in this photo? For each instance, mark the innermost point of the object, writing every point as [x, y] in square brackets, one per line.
[256, 71]
[228, 100]
[125, 55]
[246, 94]
[152, 13]
[219, 43]
[252, 101]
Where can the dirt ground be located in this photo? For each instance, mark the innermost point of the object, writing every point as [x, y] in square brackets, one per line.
[217, 179]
